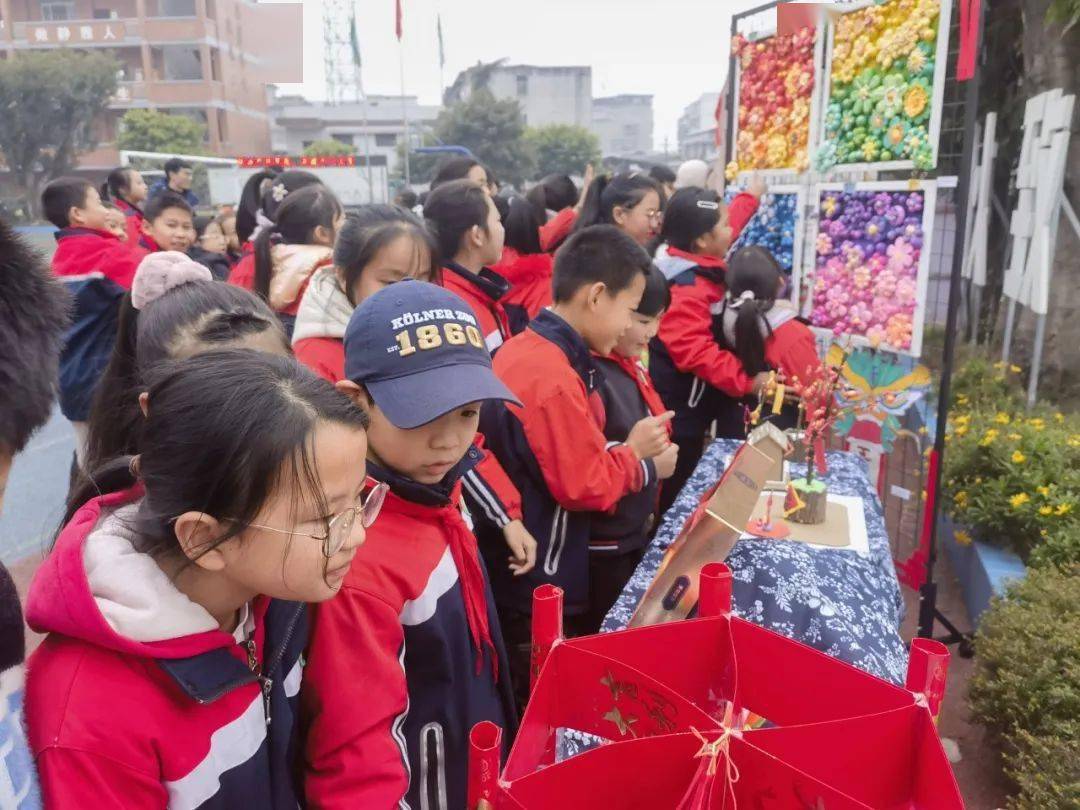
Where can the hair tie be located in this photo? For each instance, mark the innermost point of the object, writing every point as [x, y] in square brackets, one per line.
[160, 272]
[735, 303]
[262, 222]
[279, 192]
[134, 467]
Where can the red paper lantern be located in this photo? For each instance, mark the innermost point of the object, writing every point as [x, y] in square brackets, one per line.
[717, 712]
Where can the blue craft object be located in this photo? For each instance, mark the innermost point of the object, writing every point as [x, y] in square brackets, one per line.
[772, 227]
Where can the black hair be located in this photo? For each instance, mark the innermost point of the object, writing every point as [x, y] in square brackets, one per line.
[201, 224]
[35, 309]
[61, 195]
[492, 178]
[657, 296]
[160, 203]
[454, 168]
[118, 184]
[752, 269]
[502, 206]
[522, 223]
[174, 165]
[260, 195]
[192, 316]
[452, 209]
[406, 198]
[554, 192]
[662, 174]
[691, 213]
[369, 230]
[295, 222]
[600, 253]
[224, 431]
[605, 194]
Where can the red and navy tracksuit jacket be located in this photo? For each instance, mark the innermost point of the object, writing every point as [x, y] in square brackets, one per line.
[133, 220]
[628, 396]
[395, 679]
[196, 721]
[97, 269]
[484, 292]
[529, 275]
[689, 367]
[553, 447]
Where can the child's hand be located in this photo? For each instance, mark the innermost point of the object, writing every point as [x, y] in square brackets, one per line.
[757, 187]
[649, 437]
[665, 462]
[762, 381]
[522, 547]
[589, 176]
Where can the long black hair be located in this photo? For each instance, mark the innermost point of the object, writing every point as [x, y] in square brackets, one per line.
[691, 213]
[451, 210]
[223, 431]
[606, 194]
[265, 191]
[193, 317]
[295, 222]
[369, 230]
[752, 270]
[117, 185]
[657, 295]
[522, 222]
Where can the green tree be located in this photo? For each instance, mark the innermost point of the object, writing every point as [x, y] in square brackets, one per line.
[493, 130]
[328, 147]
[562, 148]
[50, 101]
[154, 131]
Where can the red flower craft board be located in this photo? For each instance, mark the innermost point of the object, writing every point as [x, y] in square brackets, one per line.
[716, 712]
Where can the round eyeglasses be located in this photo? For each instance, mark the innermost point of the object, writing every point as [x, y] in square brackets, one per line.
[340, 526]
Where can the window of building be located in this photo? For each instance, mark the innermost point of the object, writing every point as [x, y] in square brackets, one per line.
[630, 130]
[176, 63]
[171, 8]
[522, 85]
[215, 65]
[342, 137]
[223, 125]
[385, 139]
[57, 10]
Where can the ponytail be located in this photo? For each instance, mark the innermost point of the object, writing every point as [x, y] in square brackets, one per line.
[522, 223]
[117, 185]
[591, 209]
[753, 279]
[250, 200]
[264, 263]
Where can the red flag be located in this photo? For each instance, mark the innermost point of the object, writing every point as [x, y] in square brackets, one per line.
[970, 14]
[397, 19]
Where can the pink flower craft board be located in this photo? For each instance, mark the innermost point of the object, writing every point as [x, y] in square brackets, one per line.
[868, 280]
[884, 82]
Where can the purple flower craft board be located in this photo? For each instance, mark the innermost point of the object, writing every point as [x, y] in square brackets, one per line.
[868, 279]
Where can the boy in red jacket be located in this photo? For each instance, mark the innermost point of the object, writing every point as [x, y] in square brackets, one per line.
[408, 656]
[168, 224]
[97, 269]
[553, 445]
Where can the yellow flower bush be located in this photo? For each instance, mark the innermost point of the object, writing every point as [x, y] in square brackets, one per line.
[1018, 457]
[1019, 499]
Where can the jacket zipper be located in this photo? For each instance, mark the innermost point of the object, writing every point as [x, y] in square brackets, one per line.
[265, 682]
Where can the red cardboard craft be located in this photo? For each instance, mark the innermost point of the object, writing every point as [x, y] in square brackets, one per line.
[671, 702]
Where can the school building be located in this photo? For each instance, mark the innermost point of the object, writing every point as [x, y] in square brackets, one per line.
[210, 60]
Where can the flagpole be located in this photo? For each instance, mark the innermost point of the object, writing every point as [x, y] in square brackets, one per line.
[404, 110]
[358, 65]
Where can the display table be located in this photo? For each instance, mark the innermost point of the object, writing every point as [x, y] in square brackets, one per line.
[842, 602]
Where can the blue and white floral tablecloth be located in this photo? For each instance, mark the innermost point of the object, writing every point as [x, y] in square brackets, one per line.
[844, 603]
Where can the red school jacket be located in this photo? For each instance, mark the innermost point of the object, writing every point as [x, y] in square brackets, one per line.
[483, 292]
[530, 279]
[133, 220]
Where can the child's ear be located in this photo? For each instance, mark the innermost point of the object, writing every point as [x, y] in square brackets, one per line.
[619, 215]
[144, 403]
[75, 215]
[476, 236]
[357, 393]
[700, 244]
[195, 531]
[595, 291]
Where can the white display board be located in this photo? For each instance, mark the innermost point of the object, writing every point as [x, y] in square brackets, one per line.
[349, 183]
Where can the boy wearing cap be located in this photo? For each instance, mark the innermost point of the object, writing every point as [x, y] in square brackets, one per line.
[409, 656]
[553, 445]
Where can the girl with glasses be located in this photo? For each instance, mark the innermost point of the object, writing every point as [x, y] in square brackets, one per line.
[175, 596]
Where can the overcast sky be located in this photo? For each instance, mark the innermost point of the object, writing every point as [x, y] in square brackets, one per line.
[674, 49]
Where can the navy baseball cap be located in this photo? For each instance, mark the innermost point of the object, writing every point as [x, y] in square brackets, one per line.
[418, 350]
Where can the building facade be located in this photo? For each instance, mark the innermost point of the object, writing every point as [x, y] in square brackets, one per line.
[548, 95]
[624, 124]
[296, 123]
[210, 60]
[698, 128]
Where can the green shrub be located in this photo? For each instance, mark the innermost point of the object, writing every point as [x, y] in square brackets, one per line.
[1046, 771]
[1060, 547]
[1026, 686]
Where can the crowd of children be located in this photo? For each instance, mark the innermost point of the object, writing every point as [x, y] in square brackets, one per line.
[311, 504]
